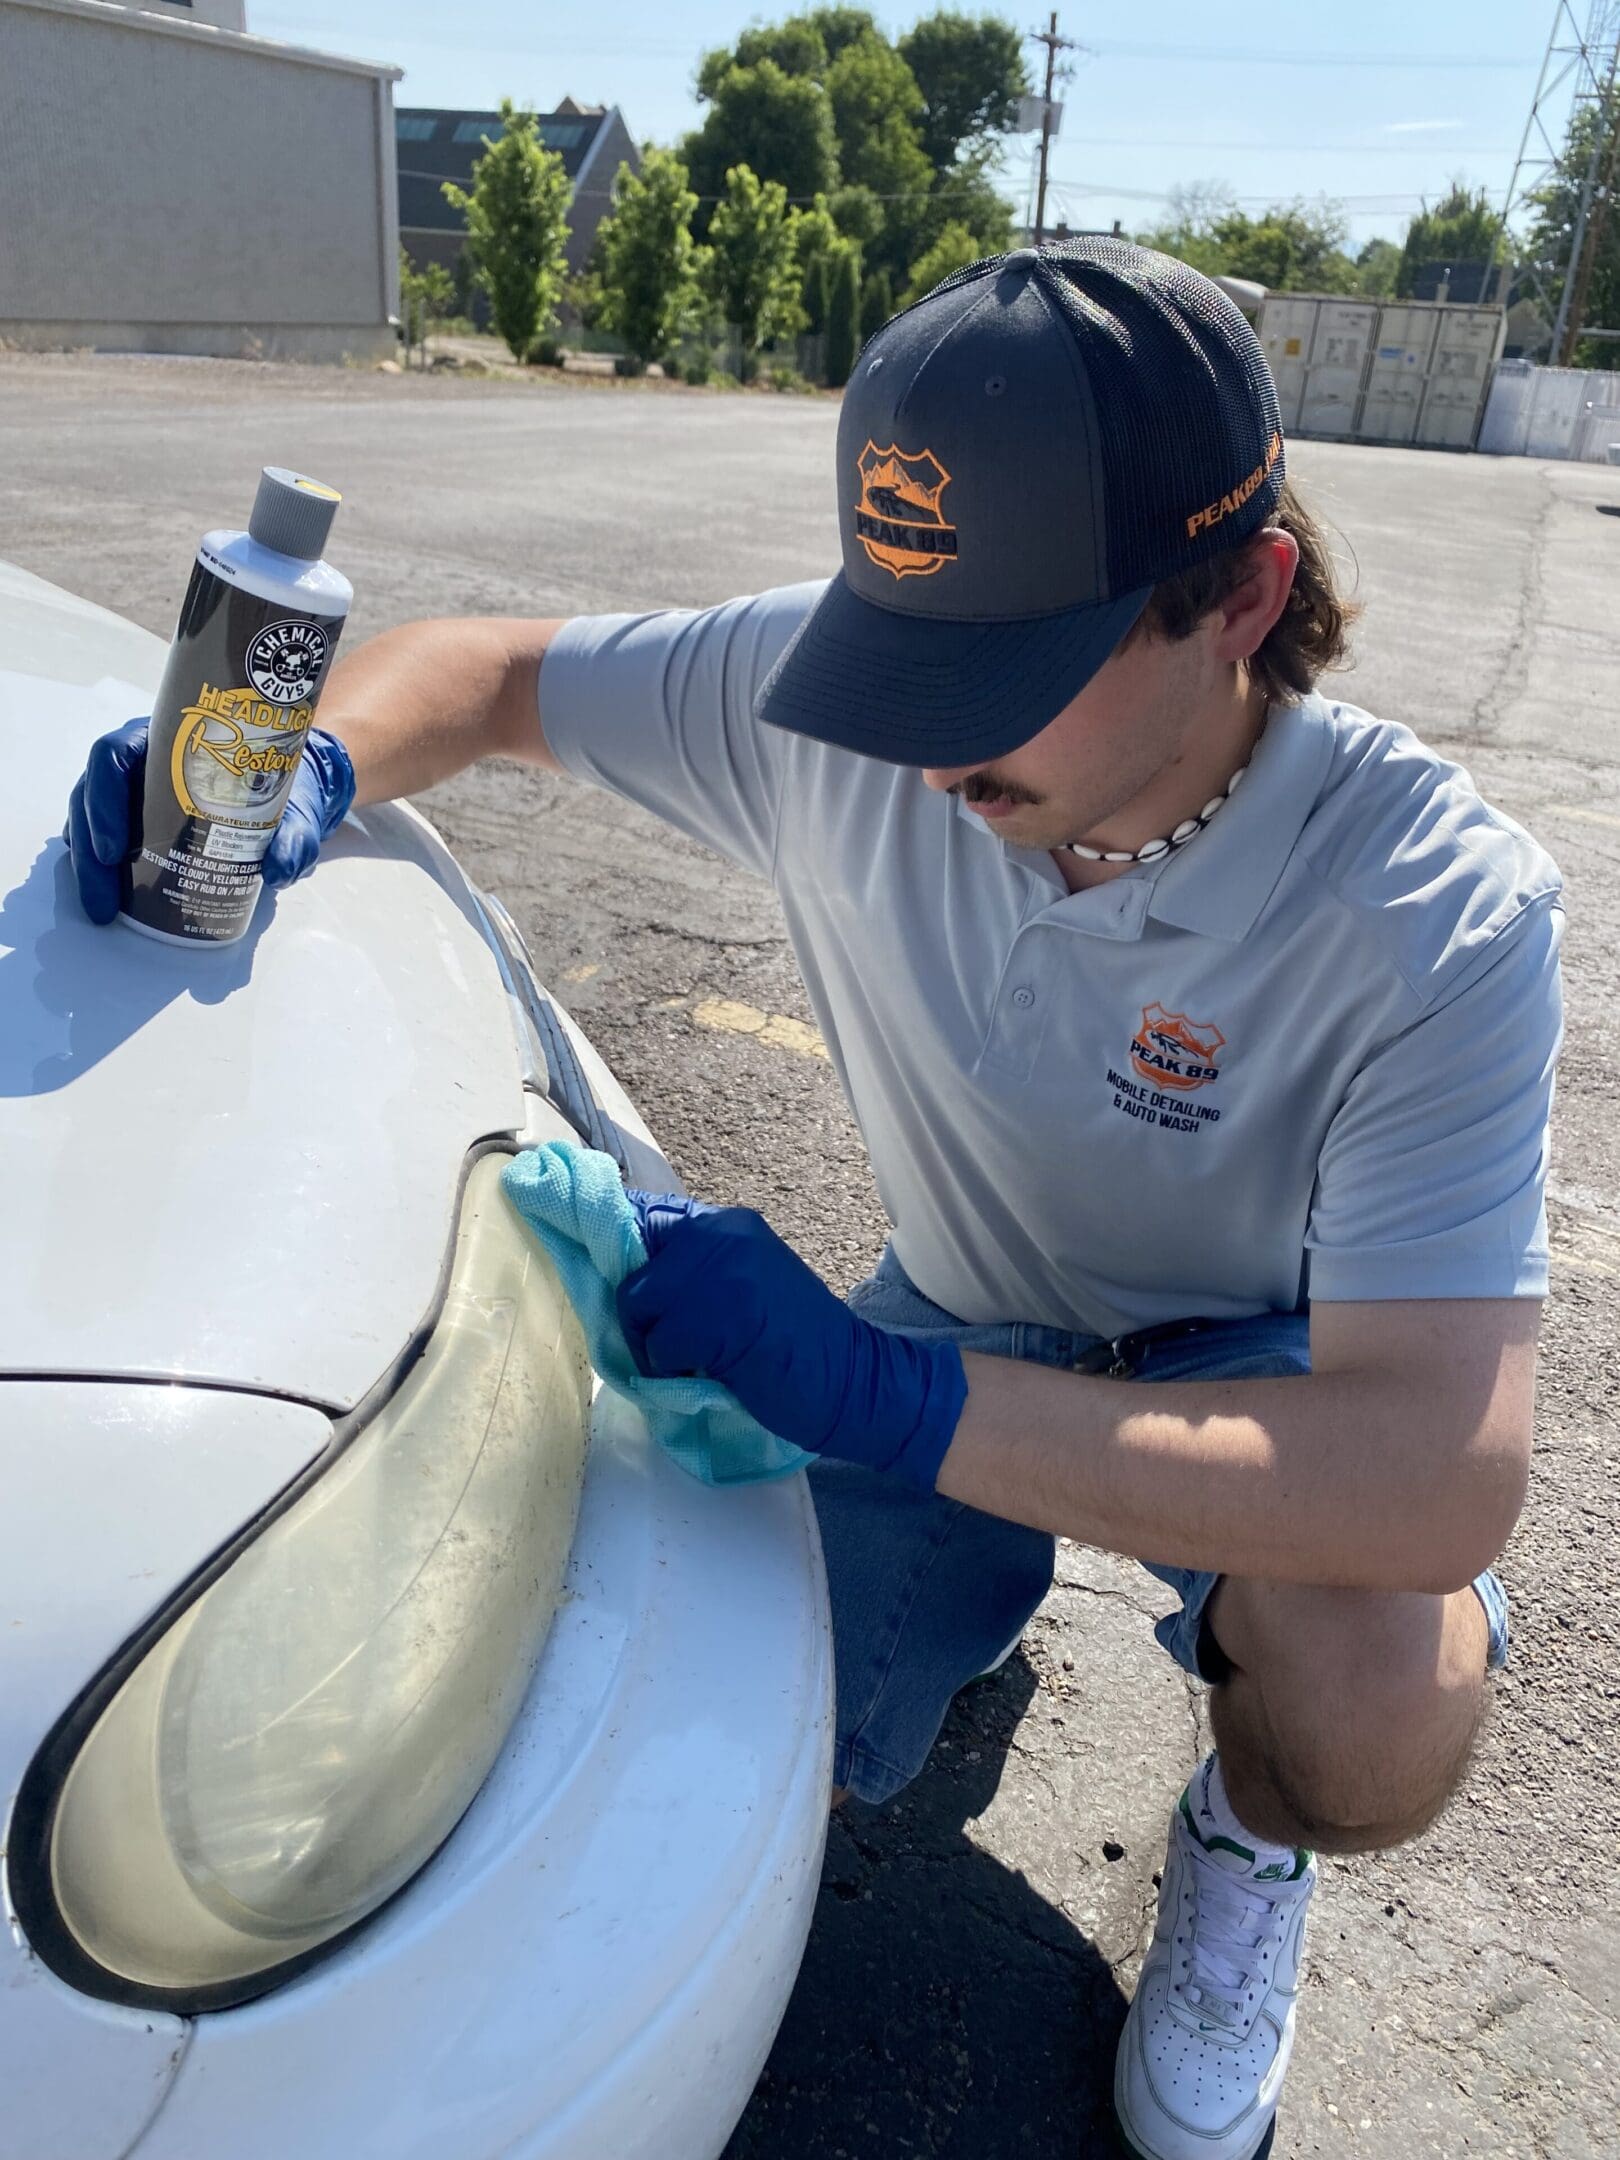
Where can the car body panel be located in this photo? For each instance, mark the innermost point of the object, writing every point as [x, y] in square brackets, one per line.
[113, 1496]
[161, 1243]
[241, 1170]
[597, 1960]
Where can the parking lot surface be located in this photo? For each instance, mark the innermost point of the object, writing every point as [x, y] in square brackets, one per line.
[975, 1942]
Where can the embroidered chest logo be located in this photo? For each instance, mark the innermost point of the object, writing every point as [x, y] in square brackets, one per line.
[1171, 1058]
[1175, 1052]
[898, 519]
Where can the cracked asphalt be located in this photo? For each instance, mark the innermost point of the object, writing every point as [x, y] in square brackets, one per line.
[974, 1943]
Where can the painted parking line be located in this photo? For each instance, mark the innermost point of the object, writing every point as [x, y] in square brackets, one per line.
[731, 1016]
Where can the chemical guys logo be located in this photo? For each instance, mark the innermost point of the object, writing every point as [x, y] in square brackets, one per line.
[285, 660]
[898, 519]
[1171, 1058]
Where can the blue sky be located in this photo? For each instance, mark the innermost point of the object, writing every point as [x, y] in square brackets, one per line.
[1377, 105]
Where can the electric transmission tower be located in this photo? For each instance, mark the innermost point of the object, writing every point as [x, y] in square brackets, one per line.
[1582, 64]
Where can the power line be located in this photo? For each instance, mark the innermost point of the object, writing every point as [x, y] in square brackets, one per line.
[1214, 55]
[1102, 48]
[1273, 142]
[1164, 195]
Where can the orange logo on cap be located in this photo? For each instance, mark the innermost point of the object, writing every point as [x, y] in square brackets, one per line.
[1175, 1052]
[898, 519]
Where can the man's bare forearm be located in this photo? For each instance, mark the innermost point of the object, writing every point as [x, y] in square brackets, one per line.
[426, 700]
[1348, 1479]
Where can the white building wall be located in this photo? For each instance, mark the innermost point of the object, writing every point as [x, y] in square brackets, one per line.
[168, 186]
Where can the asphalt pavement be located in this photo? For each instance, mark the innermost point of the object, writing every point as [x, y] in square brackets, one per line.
[975, 1943]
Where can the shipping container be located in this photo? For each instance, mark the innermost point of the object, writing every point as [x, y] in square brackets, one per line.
[1397, 375]
[1551, 413]
[1412, 371]
[1287, 326]
[1465, 349]
[1343, 338]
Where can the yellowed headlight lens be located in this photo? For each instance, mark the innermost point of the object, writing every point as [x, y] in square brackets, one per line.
[312, 1728]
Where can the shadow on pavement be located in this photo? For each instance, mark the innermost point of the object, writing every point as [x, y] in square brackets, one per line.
[944, 2008]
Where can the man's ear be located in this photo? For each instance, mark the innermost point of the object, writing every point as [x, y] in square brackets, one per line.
[1249, 613]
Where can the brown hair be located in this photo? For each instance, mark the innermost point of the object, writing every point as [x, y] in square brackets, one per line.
[1311, 635]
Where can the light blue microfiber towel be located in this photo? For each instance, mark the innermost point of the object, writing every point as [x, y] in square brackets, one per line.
[572, 1200]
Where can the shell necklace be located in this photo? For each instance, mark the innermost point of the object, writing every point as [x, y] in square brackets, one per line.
[1188, 829]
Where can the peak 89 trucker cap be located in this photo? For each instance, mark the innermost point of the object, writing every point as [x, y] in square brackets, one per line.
[1022, 457]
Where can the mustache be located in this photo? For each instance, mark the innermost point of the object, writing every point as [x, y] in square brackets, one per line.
[985, 787]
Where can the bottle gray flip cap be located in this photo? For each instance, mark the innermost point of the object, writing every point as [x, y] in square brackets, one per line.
[292, 513]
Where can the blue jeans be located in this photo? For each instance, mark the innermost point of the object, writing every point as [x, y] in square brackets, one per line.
[927, 1593]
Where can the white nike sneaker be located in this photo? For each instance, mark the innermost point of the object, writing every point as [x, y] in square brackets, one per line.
[1202, 2056]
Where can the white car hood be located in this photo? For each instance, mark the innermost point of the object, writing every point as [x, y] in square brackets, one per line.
[236, 1165]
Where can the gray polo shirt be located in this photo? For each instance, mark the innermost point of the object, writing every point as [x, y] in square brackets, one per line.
[1309, 1057]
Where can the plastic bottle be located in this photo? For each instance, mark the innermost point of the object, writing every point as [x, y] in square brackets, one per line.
[255, 639]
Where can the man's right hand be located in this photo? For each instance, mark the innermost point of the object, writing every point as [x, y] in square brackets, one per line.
[104, 813]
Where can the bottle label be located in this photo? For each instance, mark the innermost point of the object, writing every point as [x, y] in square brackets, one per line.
[228, 729]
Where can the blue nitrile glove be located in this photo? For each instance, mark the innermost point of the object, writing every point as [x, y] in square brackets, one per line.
[318, 802]
[721, 1294]
[104, 816]
[104, 812]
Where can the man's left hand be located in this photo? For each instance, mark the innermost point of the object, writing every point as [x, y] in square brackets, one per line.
[722, 1295]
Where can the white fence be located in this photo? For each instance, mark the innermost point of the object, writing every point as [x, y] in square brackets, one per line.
[1409, 371]
[1545, 412]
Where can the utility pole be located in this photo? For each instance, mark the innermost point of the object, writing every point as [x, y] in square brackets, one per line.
[1054, 45]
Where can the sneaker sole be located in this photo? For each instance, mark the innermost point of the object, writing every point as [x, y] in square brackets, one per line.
[1137, 2153]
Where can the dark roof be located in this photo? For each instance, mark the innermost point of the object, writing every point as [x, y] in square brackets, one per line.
[433, 144]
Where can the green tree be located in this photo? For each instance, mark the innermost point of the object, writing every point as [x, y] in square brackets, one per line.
[780, 126]
[1187, 229]
[1461, 228]
[963, 194]
[426, 296]
[897, 165]
[1551, 236]
[795, 46]
[877, 109]
[815, 290]
[815, 241]
[649, 261]
[970, 71]
[838, 27]
[843, 315]
[753, 269]
[953, 250]
[1292, 247]
[877, 303]
[1377, 266]
[517, 228]
[858, 214]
